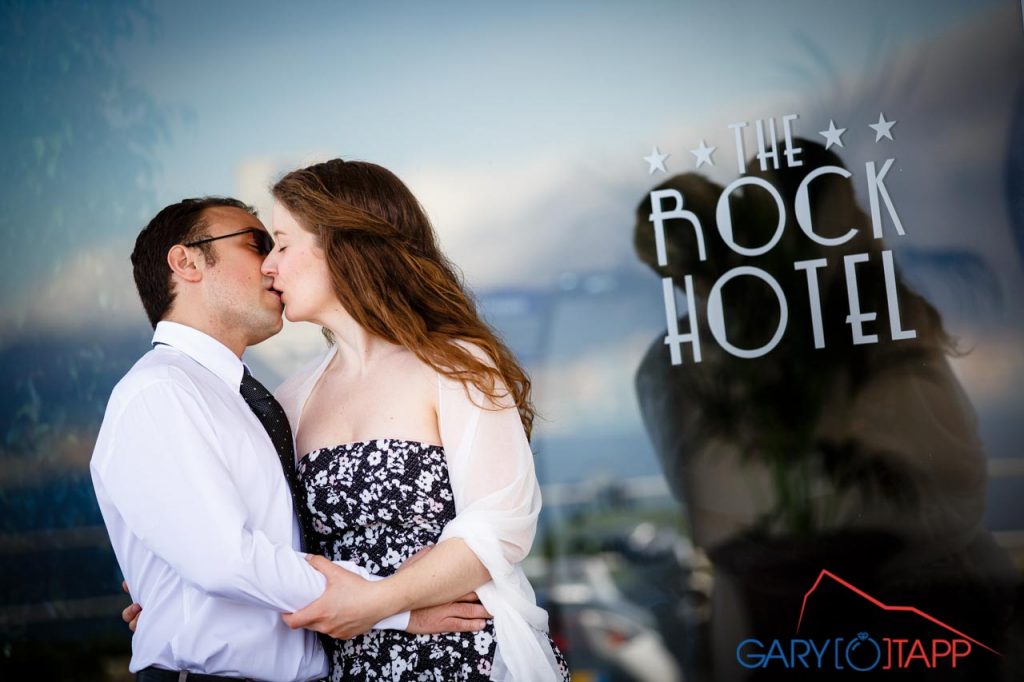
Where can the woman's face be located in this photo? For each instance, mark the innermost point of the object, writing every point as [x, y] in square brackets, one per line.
[299, 270]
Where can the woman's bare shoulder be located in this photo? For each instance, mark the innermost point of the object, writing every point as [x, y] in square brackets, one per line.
[408, 367]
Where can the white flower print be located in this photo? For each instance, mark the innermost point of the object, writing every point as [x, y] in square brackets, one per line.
[482, 641]
[392, 558]
[425, 480]
[376, 503]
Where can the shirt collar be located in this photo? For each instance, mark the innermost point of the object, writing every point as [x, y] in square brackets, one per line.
[203, 348]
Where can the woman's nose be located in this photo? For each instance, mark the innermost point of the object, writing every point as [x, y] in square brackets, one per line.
[269, 266]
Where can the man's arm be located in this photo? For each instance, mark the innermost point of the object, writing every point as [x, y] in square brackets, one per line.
[173, 491]
[171, 487]
[464, 614]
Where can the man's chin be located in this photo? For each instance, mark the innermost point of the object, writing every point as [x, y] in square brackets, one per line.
[272, 327]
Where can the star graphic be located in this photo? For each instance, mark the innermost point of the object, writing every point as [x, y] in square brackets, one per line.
[883, 128]
[703, 154]
[656, 161]
[833, 136]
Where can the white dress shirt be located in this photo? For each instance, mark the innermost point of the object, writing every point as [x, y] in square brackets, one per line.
[200, 518]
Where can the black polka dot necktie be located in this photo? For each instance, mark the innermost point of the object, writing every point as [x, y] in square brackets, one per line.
[272, 416]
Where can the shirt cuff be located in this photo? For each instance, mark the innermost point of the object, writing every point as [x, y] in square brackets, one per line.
[399, 621]
[357, 569]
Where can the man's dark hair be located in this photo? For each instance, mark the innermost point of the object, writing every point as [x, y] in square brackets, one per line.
[176, 224]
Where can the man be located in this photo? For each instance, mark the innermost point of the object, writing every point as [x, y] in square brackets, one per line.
[194, 467]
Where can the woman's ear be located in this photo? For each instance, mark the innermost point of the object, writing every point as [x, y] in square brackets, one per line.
[183, 263]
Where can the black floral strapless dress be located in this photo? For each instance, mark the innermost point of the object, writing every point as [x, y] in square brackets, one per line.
[376, 503]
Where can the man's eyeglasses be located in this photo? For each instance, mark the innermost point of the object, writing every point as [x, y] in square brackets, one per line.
[264, 244]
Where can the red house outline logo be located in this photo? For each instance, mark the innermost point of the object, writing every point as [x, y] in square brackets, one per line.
[885, 607]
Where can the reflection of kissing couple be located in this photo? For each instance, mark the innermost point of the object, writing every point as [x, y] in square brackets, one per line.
[412, 431]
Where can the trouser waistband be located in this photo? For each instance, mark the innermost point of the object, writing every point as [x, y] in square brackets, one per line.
[152, 674]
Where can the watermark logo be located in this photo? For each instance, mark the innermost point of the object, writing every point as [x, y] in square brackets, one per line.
[863, 651]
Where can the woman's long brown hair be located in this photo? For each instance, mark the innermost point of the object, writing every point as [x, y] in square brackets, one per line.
[388, 271]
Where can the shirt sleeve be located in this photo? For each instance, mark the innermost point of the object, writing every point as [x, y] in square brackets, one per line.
[174, 492]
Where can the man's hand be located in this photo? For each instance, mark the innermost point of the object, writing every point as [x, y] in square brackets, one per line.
[348, 607]
[131, 614]
[465, 614]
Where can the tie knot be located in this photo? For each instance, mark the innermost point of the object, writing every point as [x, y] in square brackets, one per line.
[251, 389]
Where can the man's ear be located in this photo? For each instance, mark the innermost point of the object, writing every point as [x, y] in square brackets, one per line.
[185, 263]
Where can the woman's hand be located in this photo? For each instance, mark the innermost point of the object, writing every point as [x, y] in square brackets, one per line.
[348, 607]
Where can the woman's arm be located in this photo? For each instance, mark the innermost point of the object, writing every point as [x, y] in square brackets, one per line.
[446, 573]
[440, 585]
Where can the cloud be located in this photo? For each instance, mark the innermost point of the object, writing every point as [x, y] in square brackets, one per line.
[592, 393]
[87, 289]
[524, 223]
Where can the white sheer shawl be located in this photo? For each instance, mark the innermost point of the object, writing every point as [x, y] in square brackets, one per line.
[497, 500]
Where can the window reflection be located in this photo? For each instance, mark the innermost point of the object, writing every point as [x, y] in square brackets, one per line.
[862, 458]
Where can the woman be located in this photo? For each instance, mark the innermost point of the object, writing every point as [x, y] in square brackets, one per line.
[412, 429]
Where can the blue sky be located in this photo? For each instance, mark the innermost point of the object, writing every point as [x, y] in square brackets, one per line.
[521, 127]
[429, 90]
[411, 84]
